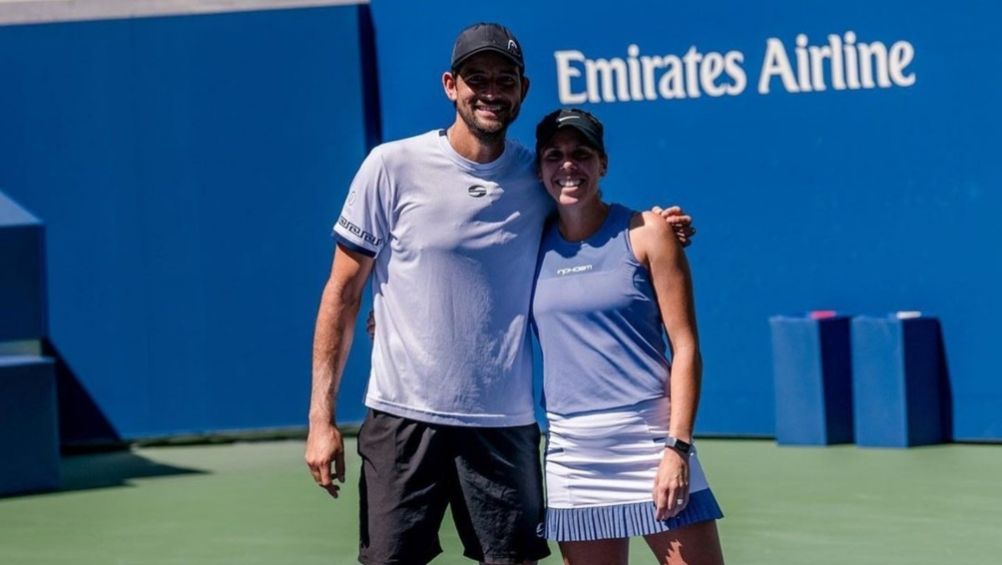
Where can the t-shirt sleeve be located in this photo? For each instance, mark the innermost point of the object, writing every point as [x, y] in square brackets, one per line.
[362, 225]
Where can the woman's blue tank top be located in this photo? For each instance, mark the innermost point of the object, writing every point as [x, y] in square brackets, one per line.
[597, 321]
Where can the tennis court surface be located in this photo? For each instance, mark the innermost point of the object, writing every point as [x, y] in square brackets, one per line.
[254, 503]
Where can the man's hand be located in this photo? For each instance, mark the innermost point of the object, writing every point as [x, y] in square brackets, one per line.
[332, 338]
[323, 446]
[680, 222]
[671, 486]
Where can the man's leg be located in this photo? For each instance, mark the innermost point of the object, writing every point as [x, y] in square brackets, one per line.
[498, 500]
[404, 488]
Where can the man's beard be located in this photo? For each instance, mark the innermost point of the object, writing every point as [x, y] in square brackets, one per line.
[489, 133]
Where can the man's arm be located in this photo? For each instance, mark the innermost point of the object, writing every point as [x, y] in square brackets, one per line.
[332, 338]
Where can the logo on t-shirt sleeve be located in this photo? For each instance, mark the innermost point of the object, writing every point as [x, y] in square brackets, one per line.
[359, 232]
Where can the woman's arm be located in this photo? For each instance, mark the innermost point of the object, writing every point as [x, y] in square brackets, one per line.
[657, 247]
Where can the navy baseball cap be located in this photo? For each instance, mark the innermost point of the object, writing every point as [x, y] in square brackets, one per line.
[482, 37]
[586, 124]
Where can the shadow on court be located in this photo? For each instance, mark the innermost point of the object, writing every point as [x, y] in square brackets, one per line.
[107, 470]
[115, 469]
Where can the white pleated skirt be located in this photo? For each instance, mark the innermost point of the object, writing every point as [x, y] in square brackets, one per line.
[600, 470]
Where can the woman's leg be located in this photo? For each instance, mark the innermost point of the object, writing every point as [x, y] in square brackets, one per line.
[597, 552]
[695, 544]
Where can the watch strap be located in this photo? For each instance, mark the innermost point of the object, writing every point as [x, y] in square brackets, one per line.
[682, 447]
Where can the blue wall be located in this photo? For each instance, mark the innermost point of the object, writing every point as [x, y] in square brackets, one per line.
[188, 170]
[864, 201]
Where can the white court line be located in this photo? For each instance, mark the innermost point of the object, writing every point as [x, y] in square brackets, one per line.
[46, 11]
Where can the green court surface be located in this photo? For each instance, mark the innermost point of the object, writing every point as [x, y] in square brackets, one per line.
[254, 503]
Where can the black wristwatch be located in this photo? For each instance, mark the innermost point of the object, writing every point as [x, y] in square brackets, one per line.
[683, 448]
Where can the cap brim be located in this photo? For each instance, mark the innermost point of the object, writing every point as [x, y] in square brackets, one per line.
[588, 135]
[485, 49]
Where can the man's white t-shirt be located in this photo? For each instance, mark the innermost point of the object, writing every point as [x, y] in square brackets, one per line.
[455, 245]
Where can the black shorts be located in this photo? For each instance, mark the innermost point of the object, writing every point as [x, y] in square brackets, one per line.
[491, 477]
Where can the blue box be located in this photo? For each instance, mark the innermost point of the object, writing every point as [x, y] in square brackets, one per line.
[897, 381]
[29, 428]
[813, 381]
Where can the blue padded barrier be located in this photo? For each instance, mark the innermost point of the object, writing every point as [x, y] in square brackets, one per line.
[812, 374]
[22, 273]
[898, 374]
[29, 433]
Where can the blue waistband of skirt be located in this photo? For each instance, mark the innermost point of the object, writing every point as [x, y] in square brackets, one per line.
[626, 520]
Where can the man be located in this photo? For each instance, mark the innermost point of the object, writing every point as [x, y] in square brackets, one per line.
[448, 224]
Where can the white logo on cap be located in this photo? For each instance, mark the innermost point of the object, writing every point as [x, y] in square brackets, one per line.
[565, 118]
[512, 46]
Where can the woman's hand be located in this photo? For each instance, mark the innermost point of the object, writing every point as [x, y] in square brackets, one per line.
[671, 486]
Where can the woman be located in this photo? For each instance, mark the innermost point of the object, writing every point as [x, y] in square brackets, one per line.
[610, 282]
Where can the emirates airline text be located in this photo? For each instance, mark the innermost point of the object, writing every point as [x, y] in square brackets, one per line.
[841, 63]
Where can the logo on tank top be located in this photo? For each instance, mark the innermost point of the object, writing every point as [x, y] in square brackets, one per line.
[477, 190]
[574, 270]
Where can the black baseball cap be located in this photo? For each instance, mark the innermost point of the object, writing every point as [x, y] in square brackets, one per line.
[586, 124]
[482, 37]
